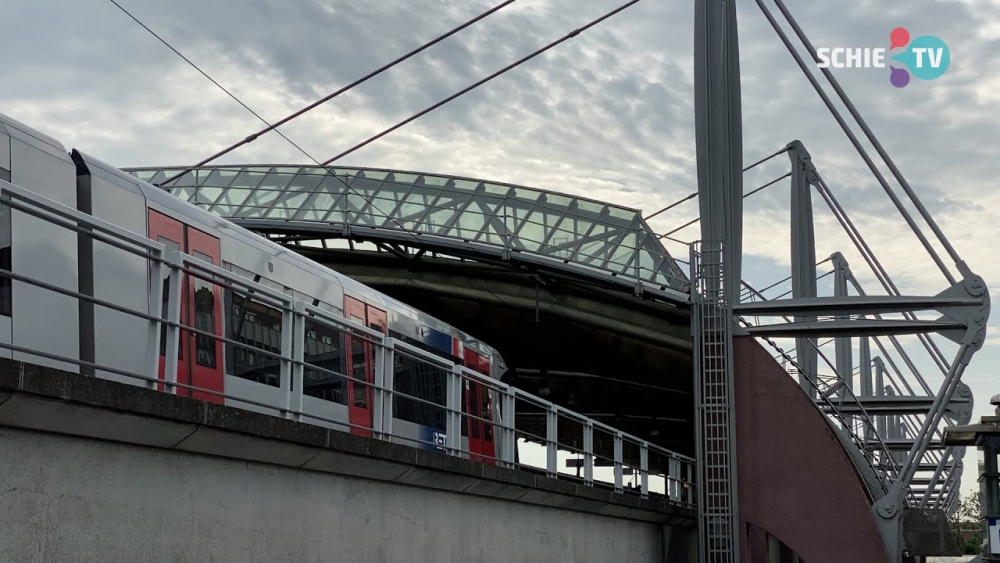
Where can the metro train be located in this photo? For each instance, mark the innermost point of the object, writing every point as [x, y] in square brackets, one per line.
[34, 318]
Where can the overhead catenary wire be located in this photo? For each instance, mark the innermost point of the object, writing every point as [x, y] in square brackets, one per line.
[205, 74]
[746, 195]
[252, 137]
[479, 83]
[307, 155]
[509, 67]
[695, 194]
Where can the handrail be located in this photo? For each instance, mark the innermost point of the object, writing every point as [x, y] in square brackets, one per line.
[675, 471]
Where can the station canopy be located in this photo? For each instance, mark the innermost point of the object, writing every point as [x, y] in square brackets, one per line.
[573, 230]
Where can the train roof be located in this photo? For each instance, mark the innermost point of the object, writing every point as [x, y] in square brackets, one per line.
[164, 198]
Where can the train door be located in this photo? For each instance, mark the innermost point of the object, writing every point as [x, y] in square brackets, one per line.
[199, 362]
[361, 365]
[478, 406]
[204, 308]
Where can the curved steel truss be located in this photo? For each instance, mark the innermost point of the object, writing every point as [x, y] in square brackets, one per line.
[596, 237]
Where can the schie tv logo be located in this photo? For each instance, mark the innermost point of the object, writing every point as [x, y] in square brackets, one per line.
[927, 57]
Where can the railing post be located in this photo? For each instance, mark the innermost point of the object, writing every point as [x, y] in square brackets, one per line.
[453, 423]
[384, 382]
[644, 468]
[155, 310]
[619, 464]
[588, 452]
[173, 344]
[552, 440]
[510, 430]
[299, 357]
[674, 479]
[285, 372]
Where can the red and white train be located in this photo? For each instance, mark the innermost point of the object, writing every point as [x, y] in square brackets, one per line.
[34, 318]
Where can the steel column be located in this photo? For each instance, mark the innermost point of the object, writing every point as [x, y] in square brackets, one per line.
[842, 346]
[719, 132]
[803, 258]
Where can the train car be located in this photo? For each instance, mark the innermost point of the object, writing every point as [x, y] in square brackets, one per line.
[33, 318]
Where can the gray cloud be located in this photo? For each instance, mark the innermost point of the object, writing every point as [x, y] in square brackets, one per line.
[608, 114]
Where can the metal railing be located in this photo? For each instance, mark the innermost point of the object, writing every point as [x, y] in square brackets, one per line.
[432, 419]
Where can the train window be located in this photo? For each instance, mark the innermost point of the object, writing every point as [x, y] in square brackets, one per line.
[169, 245]
[358, 371]
[324, 348]
[425, 382]
[259, 327]
[204, 318]
[423, 346]
[5, 262]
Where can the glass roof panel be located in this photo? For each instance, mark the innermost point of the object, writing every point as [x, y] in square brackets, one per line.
[335, 184]
[557, 199]
[260, 198]
[621, 213]
[305, 183]
[366, 185]
[589, 206]
[187, 180]
[233, 196]
[279, 213]
[526, 194]
[376, 174]
[245, 180]
[495, 189]
[469, 185]
[221, 178]
[208, 195]
[183, 193]
[224, 210]
[435, 180]
[275, 181]
[291, 200]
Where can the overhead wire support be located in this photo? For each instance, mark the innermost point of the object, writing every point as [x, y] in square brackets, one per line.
[321, 101]
[857, 144]
[479, 83]
[871, 136]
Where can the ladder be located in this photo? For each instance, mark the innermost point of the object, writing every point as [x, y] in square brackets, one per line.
[711, 324]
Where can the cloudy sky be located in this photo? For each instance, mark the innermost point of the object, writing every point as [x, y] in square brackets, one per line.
[608, 114]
